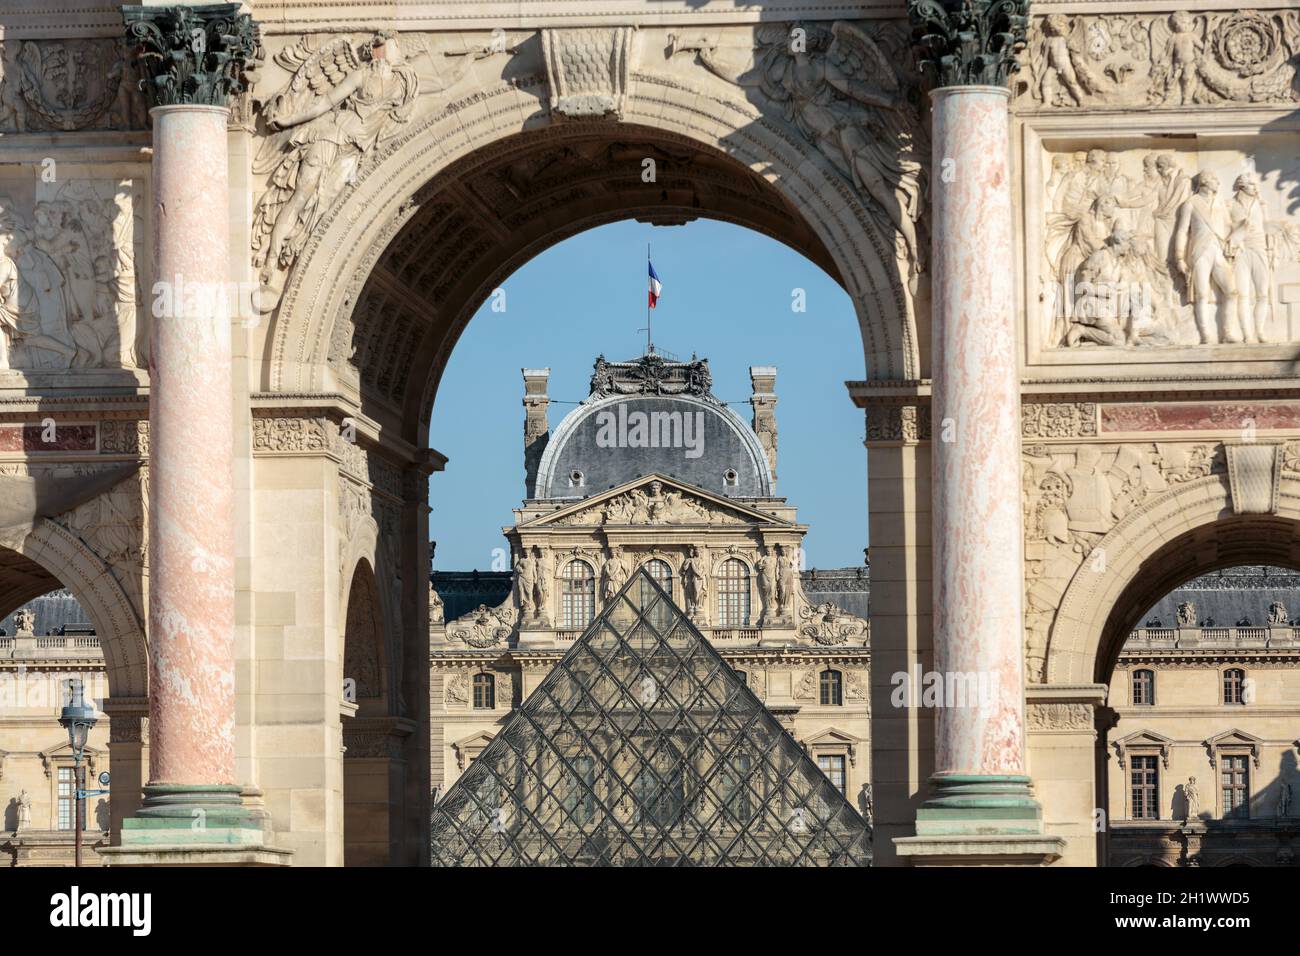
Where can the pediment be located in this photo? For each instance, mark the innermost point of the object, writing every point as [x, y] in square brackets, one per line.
[833, 737]
[474, 742]
[1145, 738]
[655, 501]
[1234, 737]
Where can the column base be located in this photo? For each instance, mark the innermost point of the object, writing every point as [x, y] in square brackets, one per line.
[1008, 849]
[979, 804]
[195, 825]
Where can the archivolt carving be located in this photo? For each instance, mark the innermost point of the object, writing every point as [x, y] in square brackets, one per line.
[1174, 59]
[820, 212]
[1073, 497]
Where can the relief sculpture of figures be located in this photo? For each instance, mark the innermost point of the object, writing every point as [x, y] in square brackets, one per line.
[342, 102]
[845, 95]
[1177, 60]
[1152, 256]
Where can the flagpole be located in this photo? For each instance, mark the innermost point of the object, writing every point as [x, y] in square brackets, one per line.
[649, 344]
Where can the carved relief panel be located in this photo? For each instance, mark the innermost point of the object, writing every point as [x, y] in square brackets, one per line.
[74, 289]
[1135, 253]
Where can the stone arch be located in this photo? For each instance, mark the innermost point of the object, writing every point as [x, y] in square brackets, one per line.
[1189, 530]
[755, 171]
[50, 556]
[363, 653]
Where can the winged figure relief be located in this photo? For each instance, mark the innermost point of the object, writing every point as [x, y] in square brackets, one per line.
[342, 102]
[845, 95]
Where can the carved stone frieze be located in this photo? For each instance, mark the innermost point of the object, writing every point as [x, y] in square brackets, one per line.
[484, 626]
[898, 423]
[1169, 59]
[828, 625]
[652, 505]
[1058, 420]
[1059, 716]
[124, 437]
[290, 434]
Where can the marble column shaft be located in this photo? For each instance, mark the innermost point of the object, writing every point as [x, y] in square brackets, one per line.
[191, 467]
[977, 529]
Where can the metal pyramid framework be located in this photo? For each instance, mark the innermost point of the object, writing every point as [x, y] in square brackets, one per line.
[642, 747]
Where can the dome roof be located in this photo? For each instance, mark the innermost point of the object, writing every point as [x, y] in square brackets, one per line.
[652, 415]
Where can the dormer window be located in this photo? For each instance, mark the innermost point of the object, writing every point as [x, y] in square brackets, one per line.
[730, 479]
[577, 479]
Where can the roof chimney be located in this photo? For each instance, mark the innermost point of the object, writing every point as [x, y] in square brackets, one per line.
[763, 401]
[537, 430]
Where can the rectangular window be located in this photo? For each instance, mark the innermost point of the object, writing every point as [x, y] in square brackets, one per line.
[67, 783]
[833, 767]
[1144, 687]
[1234, 777]
[1145, 788]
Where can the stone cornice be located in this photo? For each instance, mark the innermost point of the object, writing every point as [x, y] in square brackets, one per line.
[193, 55]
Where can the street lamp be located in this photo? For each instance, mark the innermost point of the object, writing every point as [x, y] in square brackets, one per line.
[77, 718]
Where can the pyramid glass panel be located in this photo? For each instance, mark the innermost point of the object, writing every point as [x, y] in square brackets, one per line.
[642, 747]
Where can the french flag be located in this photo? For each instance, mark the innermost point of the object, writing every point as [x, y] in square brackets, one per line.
[656, 287]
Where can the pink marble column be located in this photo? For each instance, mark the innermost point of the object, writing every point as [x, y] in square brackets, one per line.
[975, 444]
[191, 463]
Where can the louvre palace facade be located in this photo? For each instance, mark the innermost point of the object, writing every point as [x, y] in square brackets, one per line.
[239, 244]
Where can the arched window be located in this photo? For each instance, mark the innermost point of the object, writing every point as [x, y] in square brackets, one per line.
[1144, 687]
[662, 573]
[578, 597]
[1234, 686]
[733, 594]
[485, 692]
[832, 686]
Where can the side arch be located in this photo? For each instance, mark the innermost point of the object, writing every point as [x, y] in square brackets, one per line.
[1189, 530]
[53, 556]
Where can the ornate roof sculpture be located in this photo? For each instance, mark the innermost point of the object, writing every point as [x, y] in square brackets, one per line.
[642, 747]
[651, 374]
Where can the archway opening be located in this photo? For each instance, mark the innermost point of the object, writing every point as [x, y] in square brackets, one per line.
[1196, 760]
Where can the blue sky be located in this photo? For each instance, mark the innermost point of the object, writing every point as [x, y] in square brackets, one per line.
[727, 297]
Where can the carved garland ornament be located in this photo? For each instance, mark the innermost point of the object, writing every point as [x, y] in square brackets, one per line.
[484, 626]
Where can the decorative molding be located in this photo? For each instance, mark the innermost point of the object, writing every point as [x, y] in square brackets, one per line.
[1059, 716]
[1058, 420]
[908, 424]
[1254, 476]
[291, 434]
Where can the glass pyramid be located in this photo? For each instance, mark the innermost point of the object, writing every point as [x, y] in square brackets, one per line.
[642, 747]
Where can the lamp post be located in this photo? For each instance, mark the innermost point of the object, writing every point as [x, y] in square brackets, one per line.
[77, 718]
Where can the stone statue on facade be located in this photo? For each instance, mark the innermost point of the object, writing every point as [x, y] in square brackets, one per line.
[616, 572]
[24, 621]
[525, 583]
[1192, 795]
[34, 330]
[765, 569]
[24, 811]
[1277, 616]
[695, 585]
[542, 582]
[1187, 614]
[785, 586]
[436, 607]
